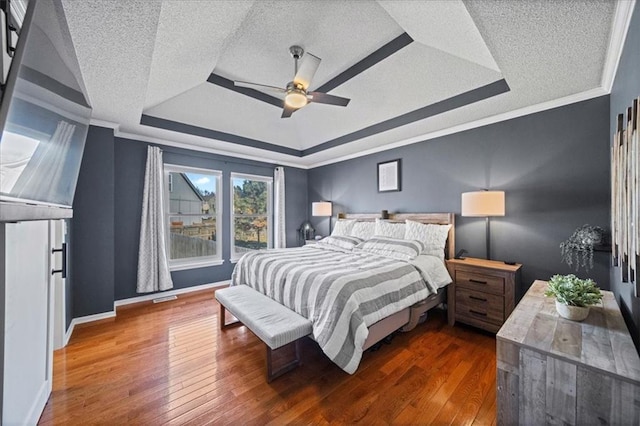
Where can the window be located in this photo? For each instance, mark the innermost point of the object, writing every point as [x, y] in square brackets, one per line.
[194, 211]
[250, 213]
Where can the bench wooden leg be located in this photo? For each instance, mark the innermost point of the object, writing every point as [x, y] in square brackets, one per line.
[223, 319]
[271, 372]
[297, 361]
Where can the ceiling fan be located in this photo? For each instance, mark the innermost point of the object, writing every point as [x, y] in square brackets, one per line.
[296, 95]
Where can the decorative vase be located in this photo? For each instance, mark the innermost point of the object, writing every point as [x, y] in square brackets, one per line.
[574, 313]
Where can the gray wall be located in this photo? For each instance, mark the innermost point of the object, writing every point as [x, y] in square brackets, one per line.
[553, 166]
[626, 87]
[106, 223]
[92, 227]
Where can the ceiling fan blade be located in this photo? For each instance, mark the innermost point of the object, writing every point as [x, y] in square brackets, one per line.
[258, 86]
[287, 111]
[324, 98]
[307, 70]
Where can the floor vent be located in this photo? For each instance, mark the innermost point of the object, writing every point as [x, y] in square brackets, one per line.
[164, 299]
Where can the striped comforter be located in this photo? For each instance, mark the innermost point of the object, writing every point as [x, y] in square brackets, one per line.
[340, 293]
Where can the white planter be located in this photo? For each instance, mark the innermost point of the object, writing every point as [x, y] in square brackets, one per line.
[574, 313]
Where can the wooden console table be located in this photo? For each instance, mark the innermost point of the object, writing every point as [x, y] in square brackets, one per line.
[555, 371]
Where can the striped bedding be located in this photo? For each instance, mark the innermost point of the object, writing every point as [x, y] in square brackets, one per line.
[341, 293]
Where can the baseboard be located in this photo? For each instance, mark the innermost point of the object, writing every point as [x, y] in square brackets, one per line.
[67, 335]
[39, 402]
[83, 320]
[151, 296]
[92, 318]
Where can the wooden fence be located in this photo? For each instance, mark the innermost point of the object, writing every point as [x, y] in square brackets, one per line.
[183, 246]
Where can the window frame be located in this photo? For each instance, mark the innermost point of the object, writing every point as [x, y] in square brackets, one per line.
[200, 261]
[234, 257]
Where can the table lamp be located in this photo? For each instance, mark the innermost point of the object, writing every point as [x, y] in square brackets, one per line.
[322, 209]
[483, 204]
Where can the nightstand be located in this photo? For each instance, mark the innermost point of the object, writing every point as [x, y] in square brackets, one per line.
[482, 293]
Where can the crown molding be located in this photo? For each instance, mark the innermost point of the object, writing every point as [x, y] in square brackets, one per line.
[619, 29]
[105, 123]
[193, 147]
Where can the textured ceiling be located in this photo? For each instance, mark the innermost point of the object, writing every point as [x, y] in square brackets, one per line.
[150, 60]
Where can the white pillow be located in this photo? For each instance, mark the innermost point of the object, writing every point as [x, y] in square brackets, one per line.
[341, 241]
[343, 227]
[363, 230]
[392, 247]
[433, 251]
[434, 237]
[389, 229]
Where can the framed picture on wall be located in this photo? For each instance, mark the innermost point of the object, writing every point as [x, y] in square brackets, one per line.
[389, 176]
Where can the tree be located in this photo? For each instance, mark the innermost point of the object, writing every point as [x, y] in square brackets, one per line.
[250, 206]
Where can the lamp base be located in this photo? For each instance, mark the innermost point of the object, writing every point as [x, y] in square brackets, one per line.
[488, 235]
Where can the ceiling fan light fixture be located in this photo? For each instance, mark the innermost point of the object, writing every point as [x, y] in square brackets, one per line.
[295, 97]
[295, 93]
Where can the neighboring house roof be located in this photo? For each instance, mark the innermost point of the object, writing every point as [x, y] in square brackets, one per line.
[192, 186]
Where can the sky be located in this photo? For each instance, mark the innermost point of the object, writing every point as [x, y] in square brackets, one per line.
[207, 182]
[202, 182]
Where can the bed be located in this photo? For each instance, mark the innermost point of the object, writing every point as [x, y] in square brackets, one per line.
[356, 292]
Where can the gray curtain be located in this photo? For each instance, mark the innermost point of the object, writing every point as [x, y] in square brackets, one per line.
[153, 264]
[280, 240]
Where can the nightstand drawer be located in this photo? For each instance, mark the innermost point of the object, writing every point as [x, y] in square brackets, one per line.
[478, 305]
[480, 282]
[482, 293]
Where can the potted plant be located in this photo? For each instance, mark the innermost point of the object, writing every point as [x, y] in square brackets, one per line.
[573, 295]
[579, 247]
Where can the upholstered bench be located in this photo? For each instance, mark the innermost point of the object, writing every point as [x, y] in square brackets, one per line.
[273, 323]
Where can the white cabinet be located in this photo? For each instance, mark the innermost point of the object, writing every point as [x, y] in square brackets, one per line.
[28, 314]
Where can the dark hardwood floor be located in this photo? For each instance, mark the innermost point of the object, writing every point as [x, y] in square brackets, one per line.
[170, 363]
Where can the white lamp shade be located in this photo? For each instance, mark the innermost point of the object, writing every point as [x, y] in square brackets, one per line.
[483, 203]
[321, 208]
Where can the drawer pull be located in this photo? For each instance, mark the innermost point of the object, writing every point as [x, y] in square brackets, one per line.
[482, 299]
[484, 314]
[477, 281]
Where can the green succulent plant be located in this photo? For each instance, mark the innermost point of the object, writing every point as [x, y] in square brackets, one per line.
[573, 291]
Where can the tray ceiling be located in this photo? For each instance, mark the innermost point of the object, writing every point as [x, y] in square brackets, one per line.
[162, 70]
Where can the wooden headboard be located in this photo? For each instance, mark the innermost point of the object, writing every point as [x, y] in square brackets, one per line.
[434, 218]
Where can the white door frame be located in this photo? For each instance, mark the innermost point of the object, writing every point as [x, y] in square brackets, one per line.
[57, 232]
